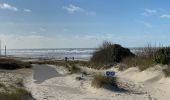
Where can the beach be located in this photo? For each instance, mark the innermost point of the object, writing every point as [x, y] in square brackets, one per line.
[59, 85]
[55, 82]
[84, 50]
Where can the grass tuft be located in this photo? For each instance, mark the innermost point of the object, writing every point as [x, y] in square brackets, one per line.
[100, 80]
[142, 62]
[167, 72]
[74, 69]
[18, 94]
[14, 93]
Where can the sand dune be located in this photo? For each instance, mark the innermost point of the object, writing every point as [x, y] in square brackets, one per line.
[147, 85]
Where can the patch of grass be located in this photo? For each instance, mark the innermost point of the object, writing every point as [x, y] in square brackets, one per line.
[100, 80]
[14, 93]
[74, 69]
[7, 63]
[167, 72]
[142, 62]
[162, 56]
[17, 94]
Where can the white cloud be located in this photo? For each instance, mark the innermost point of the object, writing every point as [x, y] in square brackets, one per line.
[27, 10]
[6, 6]
[165, 16]
[72, 8]
[148, 12]
[79, 40]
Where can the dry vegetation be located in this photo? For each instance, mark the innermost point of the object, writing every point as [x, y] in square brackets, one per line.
[13, 88]
[142, 62]
[167, 72]
[16, 94]
[100, 80]
[9, 63]
[14, 91]
[143, 59]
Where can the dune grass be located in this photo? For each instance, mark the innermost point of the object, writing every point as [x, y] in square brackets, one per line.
[12, 92]
[143, 59]
[9, 63]
[17, 94]
[142, 62]
[100, 80]
[167, 72]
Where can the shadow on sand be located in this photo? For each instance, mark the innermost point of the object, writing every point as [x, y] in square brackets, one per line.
[115, 89]
[122, 90]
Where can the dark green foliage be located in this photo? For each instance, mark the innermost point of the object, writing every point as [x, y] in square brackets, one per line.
[162, 56]
[100, 80]
[110, 53]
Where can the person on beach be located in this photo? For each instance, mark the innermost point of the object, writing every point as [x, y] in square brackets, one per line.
[66, 59]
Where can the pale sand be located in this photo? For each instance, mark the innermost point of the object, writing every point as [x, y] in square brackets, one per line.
[147, 85]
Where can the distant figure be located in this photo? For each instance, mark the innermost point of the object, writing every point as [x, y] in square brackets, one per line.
[73, 58]
[66, 59]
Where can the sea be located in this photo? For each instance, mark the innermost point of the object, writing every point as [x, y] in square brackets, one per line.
[54, 53]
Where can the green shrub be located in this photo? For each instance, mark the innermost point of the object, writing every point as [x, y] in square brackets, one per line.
[162, 56]
[110, 53]
[100, 80]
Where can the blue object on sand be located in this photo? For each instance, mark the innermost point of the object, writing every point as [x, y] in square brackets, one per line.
[110, 73]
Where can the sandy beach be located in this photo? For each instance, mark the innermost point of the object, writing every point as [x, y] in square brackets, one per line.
[46, 84]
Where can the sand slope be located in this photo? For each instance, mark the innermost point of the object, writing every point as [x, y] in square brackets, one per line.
[146, 85]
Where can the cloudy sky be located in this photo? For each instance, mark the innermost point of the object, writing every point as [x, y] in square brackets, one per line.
[83, 23]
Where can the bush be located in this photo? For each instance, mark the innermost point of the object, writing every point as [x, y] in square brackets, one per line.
[110, 53]
[100, 80]
[162, 56]
[6, 63]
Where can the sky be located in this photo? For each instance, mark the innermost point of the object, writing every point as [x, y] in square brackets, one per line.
[84, 23]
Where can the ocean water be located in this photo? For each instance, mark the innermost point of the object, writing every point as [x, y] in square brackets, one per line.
[57, 54]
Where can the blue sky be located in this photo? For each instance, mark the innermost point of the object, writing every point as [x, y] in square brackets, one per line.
[83, 23]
